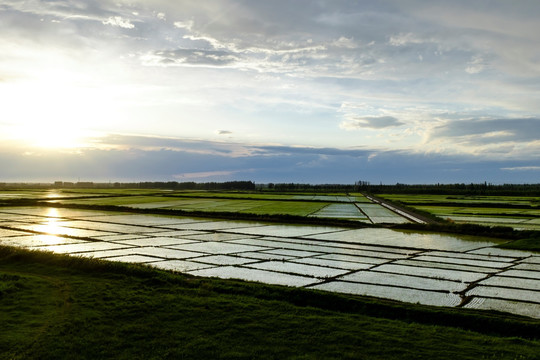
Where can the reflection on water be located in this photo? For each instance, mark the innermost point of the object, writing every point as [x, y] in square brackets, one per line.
[52, 225]
[51, 228]
[7, 196]
[48, 239]
[53, 194]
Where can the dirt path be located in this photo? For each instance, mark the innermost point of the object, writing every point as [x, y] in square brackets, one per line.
[408, 214]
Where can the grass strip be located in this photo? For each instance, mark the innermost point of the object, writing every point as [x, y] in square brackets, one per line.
[531, 244]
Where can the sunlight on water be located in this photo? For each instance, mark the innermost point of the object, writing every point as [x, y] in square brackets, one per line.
[51, 228]
[49, 239]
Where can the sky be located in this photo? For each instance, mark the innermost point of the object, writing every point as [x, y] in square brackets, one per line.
[270, 91]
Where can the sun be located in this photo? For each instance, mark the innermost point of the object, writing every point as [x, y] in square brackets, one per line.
[49, 136]
[52, 137]
[50, 112]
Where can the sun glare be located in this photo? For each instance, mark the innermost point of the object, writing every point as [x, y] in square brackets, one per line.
[43, 136]
[52, 111]
[51, 228]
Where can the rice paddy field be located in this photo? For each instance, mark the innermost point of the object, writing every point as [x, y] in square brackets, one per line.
[518, 212]
[236, 289]
[417, 267]
[425, 268]
[354, 207]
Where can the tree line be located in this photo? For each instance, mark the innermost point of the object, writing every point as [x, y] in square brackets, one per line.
[453, 189]
[174, 185]
[359, 186]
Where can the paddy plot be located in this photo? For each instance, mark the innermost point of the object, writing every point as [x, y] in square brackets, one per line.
[83, 247]
[28, 241]
[424, 268]
[515, 307]
[341, 211]
[401, 294]
[400, 239]
[269, 277]
[286, 230]
[180, 265]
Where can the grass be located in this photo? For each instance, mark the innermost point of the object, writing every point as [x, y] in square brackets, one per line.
[530, 244]
[54, 306]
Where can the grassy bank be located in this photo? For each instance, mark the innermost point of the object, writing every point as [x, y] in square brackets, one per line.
[54, 307]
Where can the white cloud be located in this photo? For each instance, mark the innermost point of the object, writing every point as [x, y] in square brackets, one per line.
[371, 122]
[403, 39]
[184, 24]
[119, 22]
[203, 175]
[522, 168]
[260, 164]
[476, 65]
[344, 42]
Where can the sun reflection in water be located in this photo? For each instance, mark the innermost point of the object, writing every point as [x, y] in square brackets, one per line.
[48, 239]
[51, 195]
[51, 228]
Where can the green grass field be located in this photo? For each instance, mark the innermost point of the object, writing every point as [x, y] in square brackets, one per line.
[59, 307]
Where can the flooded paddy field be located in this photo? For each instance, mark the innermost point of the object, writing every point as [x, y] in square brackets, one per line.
[354, 207]
[425, 268]
[518, 212]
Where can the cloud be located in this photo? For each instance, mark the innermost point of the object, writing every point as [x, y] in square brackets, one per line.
[403, 39]
[446, 78]
[119, 22]
[522, 168]
[490, 130]
[192, 160]
[184, 24]
[218, 148]
[371, 122]
[182, 57]
[344, 42]
[223, 132]
[204, 175]
[476, 65]
[153, 143]
[507, 138]
[306, 150]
